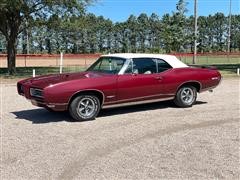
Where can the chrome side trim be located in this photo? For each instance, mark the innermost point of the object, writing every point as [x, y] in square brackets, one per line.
[140, 98]
[109, 97]
[136, 103]
[88, 90]
[58, 104]
[215, 78]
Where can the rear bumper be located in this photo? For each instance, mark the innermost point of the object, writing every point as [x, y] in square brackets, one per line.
[207, 89]
[217, 82]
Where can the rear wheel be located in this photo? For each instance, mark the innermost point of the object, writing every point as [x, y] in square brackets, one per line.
[84, 107]
[186, 96]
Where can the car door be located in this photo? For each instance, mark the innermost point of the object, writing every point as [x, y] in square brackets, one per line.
[140, 81]
[168, 78]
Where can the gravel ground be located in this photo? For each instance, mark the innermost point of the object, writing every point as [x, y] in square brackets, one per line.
[140, 142]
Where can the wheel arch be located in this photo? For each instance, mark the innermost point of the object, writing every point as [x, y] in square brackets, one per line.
[195, 84]
[95, 92]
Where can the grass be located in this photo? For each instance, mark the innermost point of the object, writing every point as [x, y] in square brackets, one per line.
[209, 60]
[226, 65]
[226, 69]
[22, 72]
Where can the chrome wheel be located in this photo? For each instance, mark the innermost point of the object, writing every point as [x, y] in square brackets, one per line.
[86, 107]
[187, 95]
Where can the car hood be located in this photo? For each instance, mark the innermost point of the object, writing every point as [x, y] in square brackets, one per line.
[47, 80]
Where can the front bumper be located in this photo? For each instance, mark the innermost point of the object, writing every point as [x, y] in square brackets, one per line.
[53, 106]
[24, 90]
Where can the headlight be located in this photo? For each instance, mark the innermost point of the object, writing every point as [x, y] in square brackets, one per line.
[36, 92]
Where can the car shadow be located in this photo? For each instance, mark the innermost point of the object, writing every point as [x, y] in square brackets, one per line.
[41, 116]
[140, 108]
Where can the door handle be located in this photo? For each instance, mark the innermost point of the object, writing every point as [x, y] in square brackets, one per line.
[159, 78]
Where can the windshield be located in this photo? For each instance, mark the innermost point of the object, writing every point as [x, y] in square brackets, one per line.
[110, 65]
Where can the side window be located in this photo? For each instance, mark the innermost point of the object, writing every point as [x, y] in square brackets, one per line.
[108, 65]
[162, 65]
[144, 66]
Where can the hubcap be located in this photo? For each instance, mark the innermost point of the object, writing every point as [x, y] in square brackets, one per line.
[86, 107]
[187, 95]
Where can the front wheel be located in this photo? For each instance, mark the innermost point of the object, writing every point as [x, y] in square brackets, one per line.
[186, 96]
[84, 107]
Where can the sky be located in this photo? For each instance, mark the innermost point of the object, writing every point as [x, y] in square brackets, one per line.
[119, 10]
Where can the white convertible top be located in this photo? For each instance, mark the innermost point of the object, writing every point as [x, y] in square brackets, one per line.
[170, 59]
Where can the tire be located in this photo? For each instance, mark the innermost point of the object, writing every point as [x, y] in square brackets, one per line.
[84, 107]
[186, 96]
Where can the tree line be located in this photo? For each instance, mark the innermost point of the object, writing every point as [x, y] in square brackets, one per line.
[152, 34]
[63, 26]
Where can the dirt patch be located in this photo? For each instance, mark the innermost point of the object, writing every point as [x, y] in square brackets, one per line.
[153, 141]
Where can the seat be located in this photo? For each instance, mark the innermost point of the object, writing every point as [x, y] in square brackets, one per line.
[147, 72]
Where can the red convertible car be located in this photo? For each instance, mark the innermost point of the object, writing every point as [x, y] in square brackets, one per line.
[119, 80]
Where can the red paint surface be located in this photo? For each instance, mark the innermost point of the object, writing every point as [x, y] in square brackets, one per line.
[58, 89]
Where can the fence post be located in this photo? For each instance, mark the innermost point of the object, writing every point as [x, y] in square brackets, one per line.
[25, 62]
[34, 73]
[61, 62]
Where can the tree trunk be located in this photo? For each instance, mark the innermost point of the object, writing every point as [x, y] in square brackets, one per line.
[49, 48]
[24, 44]
[41, 46]
[11, 55]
